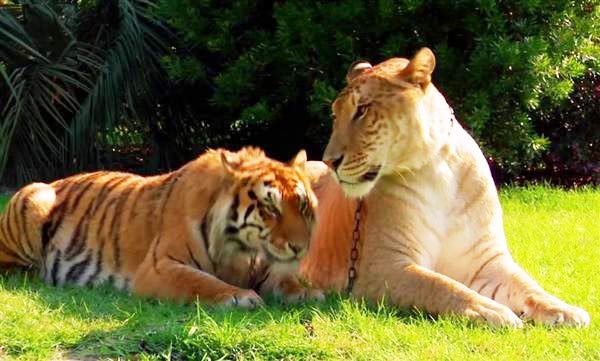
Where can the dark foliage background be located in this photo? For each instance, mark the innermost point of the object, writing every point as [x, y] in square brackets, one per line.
[159, 81]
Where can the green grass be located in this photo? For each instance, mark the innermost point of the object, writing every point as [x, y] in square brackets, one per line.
[554, 234]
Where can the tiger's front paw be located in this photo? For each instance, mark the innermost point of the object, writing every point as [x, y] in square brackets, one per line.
[304, 294]
[247, 299]
[550, 311]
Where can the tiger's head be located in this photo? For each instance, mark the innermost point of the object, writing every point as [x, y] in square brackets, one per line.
[268, 207]
[387, 120]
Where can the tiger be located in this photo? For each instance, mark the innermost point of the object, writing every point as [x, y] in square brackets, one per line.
[430, 228]
[225, 229]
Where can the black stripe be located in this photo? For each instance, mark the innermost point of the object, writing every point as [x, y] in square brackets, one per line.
[484, 286]
[231, 230]
[172, 180]
[249, 211]
[56, 218]
[483, 265]
[175, 259]
[154, 256]
[256, 287]
[105, 191]
[77, 243]
[115, 227]
[60, 186]
[9, 215]
[24, 206]
[16, 242]
[251, 225]
[204, 231]
[103, 217]
[204, 226]
[45, 237]
[167, 184]
[243, 247]
[56, 267]
[94, 275]
[132, 212]
[79, 268]
[196, 263]
[4, 248]
[496, 290]
[81, 234]
[265, 233]
[79, 195]
[234, 207]
[71, 182]
[252, 195]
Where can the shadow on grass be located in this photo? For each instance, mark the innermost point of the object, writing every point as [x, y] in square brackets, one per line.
[169, 330]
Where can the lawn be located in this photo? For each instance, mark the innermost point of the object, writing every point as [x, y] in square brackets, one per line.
[554, 234]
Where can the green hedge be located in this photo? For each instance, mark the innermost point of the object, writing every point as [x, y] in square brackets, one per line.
[145, 85]
[267, 72]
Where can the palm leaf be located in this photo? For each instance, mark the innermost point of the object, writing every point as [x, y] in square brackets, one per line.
[42, 98]
[59, 98]
[134, 55]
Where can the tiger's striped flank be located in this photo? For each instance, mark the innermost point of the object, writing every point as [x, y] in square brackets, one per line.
[210, 230]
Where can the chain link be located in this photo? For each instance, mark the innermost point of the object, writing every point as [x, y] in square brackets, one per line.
[355, 244]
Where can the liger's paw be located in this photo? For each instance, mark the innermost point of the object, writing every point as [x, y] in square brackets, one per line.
[305, 294]
[493, 313]
[247, 299]
[551, 311]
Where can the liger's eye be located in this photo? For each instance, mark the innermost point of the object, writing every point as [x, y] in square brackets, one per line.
[360, 111]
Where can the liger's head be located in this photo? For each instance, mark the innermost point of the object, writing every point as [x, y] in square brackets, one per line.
[380, 120]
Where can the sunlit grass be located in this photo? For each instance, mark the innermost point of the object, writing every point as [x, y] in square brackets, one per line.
[554, 234]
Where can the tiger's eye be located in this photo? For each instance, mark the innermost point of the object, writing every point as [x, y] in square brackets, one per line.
[270, 212]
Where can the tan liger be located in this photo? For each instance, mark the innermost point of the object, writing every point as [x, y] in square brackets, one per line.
[431, 232]
[224, 229]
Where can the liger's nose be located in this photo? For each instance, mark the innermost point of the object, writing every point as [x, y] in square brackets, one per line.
[334, 163]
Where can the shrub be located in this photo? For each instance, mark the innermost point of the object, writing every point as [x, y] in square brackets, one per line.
[266, 71]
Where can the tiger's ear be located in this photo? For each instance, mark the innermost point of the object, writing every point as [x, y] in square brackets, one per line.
[299, 160]
[229, 165]
[420, 68]
[356, 69]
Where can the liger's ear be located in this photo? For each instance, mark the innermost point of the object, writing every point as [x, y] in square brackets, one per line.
[420, 68]
[299, 160]
[228, 164]
[357, 68]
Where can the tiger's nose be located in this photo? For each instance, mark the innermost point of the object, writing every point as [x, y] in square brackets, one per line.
[295, 248]
[334, 163]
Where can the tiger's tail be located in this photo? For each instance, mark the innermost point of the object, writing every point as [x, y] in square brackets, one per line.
[21, 225]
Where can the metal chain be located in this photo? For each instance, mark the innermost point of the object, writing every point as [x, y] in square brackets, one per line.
[355, 244]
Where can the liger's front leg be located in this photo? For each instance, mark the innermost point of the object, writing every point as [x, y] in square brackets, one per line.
[410, 285]
[507, 283]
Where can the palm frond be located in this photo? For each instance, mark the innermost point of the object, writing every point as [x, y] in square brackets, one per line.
[42, 98]
[131, 58]
[61, 92]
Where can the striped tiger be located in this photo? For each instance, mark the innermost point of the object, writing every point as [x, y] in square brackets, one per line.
[431, 232]
[225, 228]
